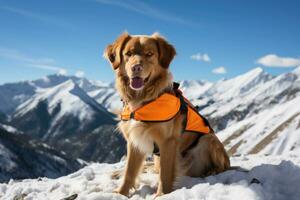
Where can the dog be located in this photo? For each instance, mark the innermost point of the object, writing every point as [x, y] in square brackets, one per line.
[141, 65]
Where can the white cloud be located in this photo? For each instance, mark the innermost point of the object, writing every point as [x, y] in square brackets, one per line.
[201, 57]
[28, 61]
[219, 70]
[272, 60]
[79, 74]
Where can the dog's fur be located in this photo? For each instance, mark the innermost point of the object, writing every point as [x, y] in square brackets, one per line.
[153, 55]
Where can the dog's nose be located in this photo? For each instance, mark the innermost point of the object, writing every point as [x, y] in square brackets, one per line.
[136, 68]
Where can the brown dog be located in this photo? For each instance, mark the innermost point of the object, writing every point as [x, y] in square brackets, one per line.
[142, 71]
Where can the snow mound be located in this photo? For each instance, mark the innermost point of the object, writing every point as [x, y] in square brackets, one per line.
[269, 177]
[262, 182]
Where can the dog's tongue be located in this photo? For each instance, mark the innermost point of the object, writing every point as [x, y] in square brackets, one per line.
[137, 82]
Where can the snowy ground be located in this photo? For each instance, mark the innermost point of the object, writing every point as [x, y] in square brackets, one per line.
[270, 177]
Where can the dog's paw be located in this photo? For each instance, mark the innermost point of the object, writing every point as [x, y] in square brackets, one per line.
[122, 191]
[158, 194]
[159, 191]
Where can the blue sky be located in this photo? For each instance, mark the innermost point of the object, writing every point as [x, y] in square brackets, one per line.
[214, 39]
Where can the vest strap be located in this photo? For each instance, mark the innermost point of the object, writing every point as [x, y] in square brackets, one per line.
[132, 115]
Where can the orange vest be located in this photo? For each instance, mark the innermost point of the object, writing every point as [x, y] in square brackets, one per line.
[165, 108]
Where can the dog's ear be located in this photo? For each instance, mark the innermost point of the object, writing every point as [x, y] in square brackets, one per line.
[113, 52]
[166, 51]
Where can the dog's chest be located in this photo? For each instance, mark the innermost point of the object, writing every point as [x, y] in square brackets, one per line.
[138, 134]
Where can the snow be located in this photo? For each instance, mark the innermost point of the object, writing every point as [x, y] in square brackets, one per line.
[194, 89]
[72, 100]
[282, 121]
[236, 93]
[108, 97]
[269, 177]
[226, 89]
[297, 70]
[60, 94]
[234, 184]
[10, 129]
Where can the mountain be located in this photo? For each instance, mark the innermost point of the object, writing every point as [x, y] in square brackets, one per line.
[272, 125]
[56, 79]
[107, 96]
[68, 119]
[59, 112]
[21, 157]
[194, 89]
[273, 131]
[13, 94]
[231, 100]
[103, 144]
[255, 112]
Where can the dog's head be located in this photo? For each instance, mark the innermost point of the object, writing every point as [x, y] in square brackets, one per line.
[139, 59]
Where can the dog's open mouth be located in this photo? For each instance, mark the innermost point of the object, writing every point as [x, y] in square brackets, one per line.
[138, 82]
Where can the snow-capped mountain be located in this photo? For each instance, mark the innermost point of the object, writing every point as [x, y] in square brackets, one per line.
[58, 110]
[272, 125]
[230, 101]
[62, 110]
[194, 89]
[107, 96]
[13, 94]
[21, 157]
[67, 118]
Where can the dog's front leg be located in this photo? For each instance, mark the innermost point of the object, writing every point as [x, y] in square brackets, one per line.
[134, 163]
[167, 166]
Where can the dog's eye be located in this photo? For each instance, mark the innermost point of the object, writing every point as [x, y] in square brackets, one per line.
[128, 53]
[149, 54]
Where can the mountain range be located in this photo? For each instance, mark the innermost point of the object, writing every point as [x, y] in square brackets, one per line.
[253, 113]
[57, 110]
